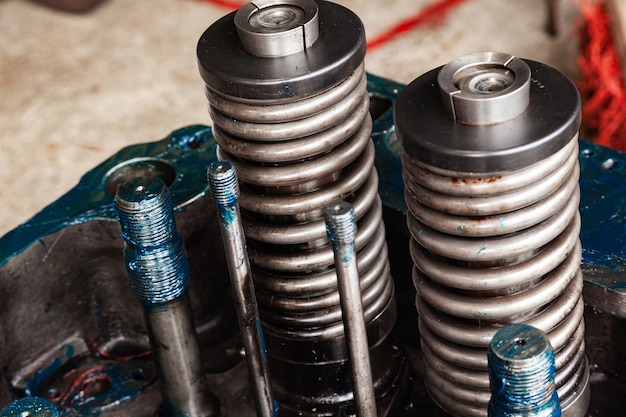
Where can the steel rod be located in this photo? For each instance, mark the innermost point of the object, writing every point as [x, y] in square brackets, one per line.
[341, 227]
[225, 191]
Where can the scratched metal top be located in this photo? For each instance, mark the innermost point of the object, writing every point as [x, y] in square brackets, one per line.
[183, 157]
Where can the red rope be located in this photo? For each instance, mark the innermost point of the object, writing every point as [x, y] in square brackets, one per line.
[604, 98]
[231, 5]
[434, 12]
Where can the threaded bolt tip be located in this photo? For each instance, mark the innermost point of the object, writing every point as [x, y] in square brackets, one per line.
[145, 210]
[521, 372]
[223, 183]
[341, 222]
[139, 194]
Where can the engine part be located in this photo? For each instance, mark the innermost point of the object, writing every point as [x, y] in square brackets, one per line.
[225, 191]
[291, 115]
[342, 230]
[521, 373]
[62, 315]
[492, 197]
[30, 407]
[158, 273]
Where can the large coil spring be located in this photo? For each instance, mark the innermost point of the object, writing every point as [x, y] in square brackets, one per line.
[293, 159]
[490, 251]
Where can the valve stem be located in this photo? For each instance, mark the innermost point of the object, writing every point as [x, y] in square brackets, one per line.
[225, 191]
[521, 373]
[158, 273]
[341, 228]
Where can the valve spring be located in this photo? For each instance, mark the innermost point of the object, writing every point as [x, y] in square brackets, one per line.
[489, 260]
[293, 160]
[295, 124]
[494, 246]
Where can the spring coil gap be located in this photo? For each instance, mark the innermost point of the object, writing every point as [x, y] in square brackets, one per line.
[490, 251]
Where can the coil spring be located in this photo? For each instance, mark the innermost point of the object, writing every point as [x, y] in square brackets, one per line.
[490, 251]
[293, 159]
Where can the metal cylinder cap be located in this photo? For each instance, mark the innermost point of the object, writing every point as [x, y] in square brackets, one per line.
[228, 65]
[428, 134]
[485, 88]
[273, 28]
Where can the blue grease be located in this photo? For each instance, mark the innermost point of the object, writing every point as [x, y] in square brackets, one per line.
[347, 254]
[484, 248]
[228, 215]
[43, 375]
[479, 321]
[521, 389]
[501, 223]
[259, 330]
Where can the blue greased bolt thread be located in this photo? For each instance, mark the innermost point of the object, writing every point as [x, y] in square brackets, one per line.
[223, 183]
[156, 262]
[341, 223]
[521, 374]
[31, 407]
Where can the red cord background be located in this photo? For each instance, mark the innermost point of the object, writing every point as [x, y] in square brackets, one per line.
[601, 86]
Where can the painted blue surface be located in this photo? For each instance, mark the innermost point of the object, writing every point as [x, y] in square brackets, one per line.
[35, 406]
[603, 206]
[188, 150]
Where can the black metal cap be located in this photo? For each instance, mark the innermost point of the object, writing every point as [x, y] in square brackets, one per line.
[427, 133]
[226, 68]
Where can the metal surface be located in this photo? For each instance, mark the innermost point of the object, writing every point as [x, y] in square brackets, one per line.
[274, 28]
[227, 68]
[506, 146]
[158, 272]
[342, 229]
[484, 88]
[293, 158]
[494, 247]
[62, 314]
[521, 373]
[225, 191]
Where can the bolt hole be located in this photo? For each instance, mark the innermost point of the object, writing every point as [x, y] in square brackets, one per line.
[520, 342]
[26, 414]
[146, 168]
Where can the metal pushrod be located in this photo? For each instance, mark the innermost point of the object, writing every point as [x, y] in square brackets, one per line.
[225, 191]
